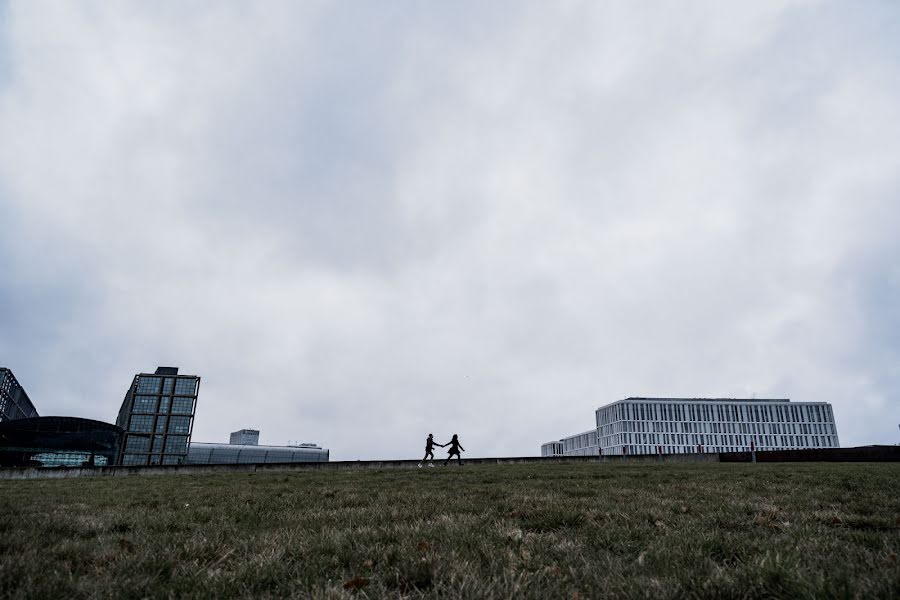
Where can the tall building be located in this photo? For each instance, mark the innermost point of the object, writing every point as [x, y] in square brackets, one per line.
[158, 417]
[14, 402]
[246, 437]
[686, 425]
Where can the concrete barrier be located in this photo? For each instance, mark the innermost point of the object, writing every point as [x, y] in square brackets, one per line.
[127, 471]
[859, 454]
[867, 454]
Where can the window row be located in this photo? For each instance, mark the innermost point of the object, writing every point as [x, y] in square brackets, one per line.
[149, 384]
[152, 459]
[172, 444]
[162, 404]
[735, 413]
[714, 427]
[148, 423]
[738, 441]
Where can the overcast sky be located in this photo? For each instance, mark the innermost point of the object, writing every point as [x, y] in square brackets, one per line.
[361, 222]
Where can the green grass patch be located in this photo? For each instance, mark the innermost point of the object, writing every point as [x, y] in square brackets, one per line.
[516, 531]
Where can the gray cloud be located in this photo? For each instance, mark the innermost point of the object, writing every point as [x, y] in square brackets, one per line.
[359, 224]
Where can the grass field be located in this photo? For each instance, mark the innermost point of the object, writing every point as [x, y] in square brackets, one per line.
[542, 531]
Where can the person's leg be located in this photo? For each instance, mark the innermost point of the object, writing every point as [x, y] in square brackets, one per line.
[459, 459]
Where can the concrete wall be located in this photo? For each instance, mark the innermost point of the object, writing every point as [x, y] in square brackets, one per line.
[868, 454]
[861, 454]
[125, 471]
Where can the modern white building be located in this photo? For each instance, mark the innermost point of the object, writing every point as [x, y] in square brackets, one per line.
[580, 444]
[687, 425]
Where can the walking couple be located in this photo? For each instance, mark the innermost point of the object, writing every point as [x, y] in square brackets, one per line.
[455, 447]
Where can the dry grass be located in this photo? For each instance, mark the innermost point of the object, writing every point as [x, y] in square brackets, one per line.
[559, 531]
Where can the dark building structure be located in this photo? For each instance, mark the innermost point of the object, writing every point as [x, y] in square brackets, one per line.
[247, 437]
[58, 442]
[14, 402]
[158, 418]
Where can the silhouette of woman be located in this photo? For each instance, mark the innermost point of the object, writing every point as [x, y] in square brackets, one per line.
[455, 447]
[429, 447]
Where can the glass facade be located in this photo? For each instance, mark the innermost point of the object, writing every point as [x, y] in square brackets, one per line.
[58, 442]
[158, 417]
[14, 402]
[235, 454]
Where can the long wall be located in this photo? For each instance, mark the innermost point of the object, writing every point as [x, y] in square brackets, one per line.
[863, 454]
[126, 471]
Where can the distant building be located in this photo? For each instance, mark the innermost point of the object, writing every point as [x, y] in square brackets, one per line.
[580, 444]
[14, 402]
[158, 417]
[245, 437]
[686, 425]
[233, 454]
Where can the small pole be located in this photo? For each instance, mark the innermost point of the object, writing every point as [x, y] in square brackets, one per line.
[752, 451]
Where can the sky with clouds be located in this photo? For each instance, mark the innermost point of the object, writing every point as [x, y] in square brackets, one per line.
[361, 222]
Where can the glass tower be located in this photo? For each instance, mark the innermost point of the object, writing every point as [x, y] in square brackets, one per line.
[14, 402]
[158, 417]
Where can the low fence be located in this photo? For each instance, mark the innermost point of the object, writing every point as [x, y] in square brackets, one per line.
[860, 454]
[863, 454]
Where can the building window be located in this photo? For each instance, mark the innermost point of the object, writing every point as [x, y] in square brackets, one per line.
[141, 423]
[185, 385]
[176, 444]
[168, 382]
[144, 404]
[160, 424]
[137, 443]
[148, 385]
[134, 459]
[184, 406]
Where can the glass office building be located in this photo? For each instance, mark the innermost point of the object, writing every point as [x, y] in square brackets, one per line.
[14, 402]
[157, 416]
[58, 442]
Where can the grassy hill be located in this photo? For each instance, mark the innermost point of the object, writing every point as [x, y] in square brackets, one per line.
[539, 531]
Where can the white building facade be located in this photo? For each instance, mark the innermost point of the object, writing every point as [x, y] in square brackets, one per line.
[581, 444]
[687, 425]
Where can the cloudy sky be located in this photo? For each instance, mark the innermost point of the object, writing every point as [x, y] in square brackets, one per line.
[360, 222]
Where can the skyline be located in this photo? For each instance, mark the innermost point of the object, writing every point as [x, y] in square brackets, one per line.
[359, 224]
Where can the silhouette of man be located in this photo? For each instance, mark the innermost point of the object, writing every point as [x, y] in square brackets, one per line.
[429, 450]
[455, 447]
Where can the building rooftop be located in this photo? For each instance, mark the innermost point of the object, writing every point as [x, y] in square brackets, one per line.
[708, 399]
